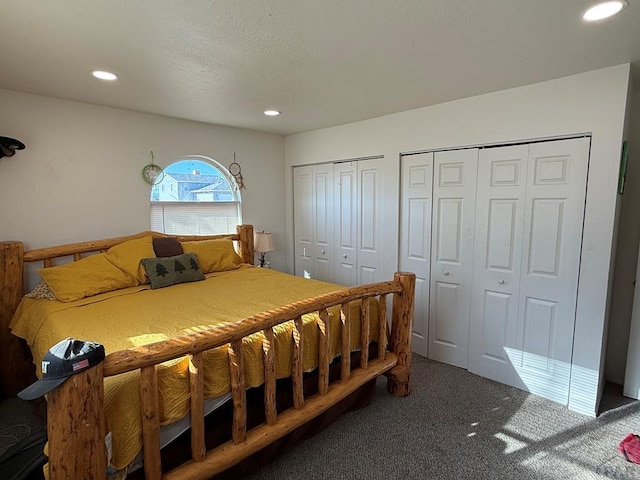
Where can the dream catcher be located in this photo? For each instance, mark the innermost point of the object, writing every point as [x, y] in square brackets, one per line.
[152, 173]
[236, 171]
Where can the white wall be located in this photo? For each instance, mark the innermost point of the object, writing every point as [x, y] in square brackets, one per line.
[79, 176]
[627, 252]
[592, 102]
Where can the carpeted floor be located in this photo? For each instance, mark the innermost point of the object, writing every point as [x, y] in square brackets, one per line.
[456, 425]
[22, 438]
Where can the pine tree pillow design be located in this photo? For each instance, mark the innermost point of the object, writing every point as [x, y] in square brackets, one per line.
[172, 270]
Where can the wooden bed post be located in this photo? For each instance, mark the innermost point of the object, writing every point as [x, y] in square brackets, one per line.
[401, 333]
[17, 370]
[246, 243]
[76, 427]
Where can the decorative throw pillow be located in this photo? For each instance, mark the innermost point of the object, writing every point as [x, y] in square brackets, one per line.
[127, 255]
[167, 246]
[85, 278]
[41, 291]
[214, 255]
[172, 270]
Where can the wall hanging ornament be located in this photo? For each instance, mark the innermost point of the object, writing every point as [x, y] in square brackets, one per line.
[152, 173]
[236, 171]
[8, 146]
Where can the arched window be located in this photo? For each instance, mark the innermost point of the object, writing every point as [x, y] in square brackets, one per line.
[196, 196]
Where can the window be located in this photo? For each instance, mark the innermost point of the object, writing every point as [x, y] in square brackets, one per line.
[197, 196]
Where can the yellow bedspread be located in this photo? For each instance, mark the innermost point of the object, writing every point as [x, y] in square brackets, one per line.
[138, 316]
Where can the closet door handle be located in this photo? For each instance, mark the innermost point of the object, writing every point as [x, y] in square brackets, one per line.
[323, 252]
[501, 282]
[445, 272]
[344, 256]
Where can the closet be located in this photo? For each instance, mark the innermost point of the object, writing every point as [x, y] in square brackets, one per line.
[499, 262]
[337, 214]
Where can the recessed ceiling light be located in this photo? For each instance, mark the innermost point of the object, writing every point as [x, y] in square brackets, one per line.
[102, 75]
[603, 10]
[272, 113]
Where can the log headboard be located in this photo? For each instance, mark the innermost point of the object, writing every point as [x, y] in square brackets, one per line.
[16, 368]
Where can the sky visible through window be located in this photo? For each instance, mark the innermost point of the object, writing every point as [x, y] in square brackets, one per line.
[188, 166]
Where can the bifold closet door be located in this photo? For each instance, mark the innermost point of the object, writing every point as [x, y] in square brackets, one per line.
[370, 227]
[552, 242]
[415, 237]
[454, 193]
[323, 236]
[530, 208]
[358, 221]
[346, 194]
[313, 221]
[303, 220]
[500, 203]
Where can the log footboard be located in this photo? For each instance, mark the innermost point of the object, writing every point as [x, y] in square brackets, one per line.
[85, 420]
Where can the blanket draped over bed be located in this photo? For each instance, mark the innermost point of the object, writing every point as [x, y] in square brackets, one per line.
[138, 316]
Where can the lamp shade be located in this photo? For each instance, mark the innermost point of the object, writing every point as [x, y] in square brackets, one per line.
[262, 242]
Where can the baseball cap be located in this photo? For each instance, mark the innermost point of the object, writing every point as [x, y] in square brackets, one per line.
[64, 359]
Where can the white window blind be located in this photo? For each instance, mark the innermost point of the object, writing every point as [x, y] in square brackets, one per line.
[195, 218]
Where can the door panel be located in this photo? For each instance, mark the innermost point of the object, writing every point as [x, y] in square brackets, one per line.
[552, 240]
[500, 204]
[323, 212]
[454, 193]
[446, 329]
[369, 210]
[415, 238]
[303, 221]
[345, 220]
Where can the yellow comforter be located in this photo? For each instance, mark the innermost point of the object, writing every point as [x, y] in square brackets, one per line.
[138, 316]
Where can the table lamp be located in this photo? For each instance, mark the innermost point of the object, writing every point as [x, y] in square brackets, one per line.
[263, 243]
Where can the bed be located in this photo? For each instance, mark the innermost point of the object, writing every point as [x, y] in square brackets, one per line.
[245, 327]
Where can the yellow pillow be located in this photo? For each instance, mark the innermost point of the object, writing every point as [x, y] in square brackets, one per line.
[214, 255]
[127, 255]
[84, 278]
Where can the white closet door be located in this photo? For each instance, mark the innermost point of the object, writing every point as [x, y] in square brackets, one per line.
[369, 228]
[500, 202]
[454, 193]
[303, 220]
[345, 267]
[415, 237]
[323, 238]
[632, 372]
[554, 210]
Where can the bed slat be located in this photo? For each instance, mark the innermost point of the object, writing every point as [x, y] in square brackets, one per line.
[196, 383]
[323, 352]
[345, 335]
[296, 365]
[269, 356]
[365, 317]
[150, 422]
[236, 371]
[382, 325]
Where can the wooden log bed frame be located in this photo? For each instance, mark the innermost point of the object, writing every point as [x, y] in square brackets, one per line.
[75, 410]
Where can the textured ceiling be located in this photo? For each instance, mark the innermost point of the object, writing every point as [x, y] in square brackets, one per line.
[321, 62]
